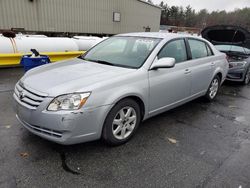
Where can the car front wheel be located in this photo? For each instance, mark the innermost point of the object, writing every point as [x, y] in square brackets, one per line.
[213, 88]
[121, 122]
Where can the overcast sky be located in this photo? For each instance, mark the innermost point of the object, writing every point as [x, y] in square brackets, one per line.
[228, 5]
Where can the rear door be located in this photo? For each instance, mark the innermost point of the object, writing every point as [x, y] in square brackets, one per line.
[202, 65]
[168, 86]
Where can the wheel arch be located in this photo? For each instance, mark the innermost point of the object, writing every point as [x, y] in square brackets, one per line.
[219, 72]
[137, 99]
[220, 75]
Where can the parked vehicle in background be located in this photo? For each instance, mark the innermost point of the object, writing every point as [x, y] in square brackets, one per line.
[109, 90]
[235, 42]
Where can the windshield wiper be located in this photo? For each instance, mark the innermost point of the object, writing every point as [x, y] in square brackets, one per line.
[81, 57]
[102, 62]
[108, 63]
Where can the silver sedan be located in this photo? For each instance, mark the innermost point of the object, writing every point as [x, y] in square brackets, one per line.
[126, 79]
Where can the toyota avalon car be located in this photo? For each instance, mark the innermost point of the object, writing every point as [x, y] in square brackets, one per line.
[235, 42]
[108, 91]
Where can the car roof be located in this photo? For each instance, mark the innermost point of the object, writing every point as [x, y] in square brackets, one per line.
[158, 35]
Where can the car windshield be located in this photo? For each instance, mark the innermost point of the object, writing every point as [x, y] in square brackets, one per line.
[129, 52]
[233, 48]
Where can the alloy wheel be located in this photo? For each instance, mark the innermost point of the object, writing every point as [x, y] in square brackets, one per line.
[214, 87]
[124, 123]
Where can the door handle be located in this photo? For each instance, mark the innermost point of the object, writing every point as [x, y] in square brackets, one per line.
[187, 71]
[212, 64]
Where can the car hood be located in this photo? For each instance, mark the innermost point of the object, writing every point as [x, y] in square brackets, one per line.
[70, 76]
[227, 34]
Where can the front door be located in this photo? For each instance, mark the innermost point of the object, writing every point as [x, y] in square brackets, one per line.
[170, 86]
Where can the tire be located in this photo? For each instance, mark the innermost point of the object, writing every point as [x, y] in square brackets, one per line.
[122, 122]
[247, 77]
[213, 89]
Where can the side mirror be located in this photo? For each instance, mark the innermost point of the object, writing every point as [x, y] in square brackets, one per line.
[166, 62]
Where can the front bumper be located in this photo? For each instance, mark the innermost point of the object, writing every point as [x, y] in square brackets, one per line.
[236, 74]
[63, 127]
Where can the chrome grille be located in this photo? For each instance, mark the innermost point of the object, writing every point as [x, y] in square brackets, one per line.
[28, 98]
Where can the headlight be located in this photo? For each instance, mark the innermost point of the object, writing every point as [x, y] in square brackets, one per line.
[68, 102]
[238, 64]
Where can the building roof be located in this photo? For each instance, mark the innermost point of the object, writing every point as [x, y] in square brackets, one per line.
[149, 4]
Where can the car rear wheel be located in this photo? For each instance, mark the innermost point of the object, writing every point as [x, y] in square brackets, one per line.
[247, 77]
[121, 122]
[213, 88]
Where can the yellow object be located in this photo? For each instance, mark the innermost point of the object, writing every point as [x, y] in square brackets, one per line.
[7, 60]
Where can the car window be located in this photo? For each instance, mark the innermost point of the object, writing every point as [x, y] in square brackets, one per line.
[175, 49]
[141, 42]
[198, 48]
[122, 51]
[116, 47]
[209, 51]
